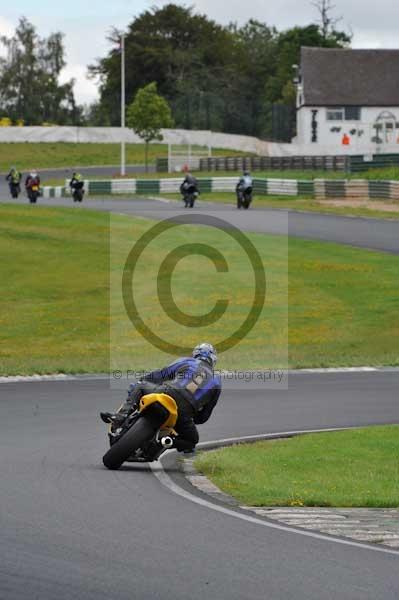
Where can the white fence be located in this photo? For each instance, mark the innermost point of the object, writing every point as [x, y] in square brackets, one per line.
[114, 135]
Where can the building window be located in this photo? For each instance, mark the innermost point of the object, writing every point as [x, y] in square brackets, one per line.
[346, 113]
[352, 113]
[314, 125]
[335, 114]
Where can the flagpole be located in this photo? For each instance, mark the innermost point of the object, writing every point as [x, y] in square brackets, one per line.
[123, 150]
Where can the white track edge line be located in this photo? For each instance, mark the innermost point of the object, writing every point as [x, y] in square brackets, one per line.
[160, 473]
[89, 376]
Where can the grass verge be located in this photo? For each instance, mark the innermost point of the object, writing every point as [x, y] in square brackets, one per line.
[55, 283]
[356, 468]
[377, 209]
[390, 174]
[57, 155]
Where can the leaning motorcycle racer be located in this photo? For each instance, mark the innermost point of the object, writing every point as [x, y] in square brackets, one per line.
[191, 382]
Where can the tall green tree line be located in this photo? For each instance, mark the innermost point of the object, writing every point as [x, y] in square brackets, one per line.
[232, 79]
[30, 69]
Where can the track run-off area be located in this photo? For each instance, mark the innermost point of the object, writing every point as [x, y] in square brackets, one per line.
[71, 529]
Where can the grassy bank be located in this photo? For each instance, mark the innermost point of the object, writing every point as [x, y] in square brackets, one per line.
[390, 174]
[54, 285]
[57, 155]
[344, 468]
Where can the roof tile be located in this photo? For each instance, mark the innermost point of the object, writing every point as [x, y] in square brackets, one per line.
[342, 77]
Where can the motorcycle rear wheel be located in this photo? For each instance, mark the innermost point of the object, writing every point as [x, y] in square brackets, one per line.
[140, 432]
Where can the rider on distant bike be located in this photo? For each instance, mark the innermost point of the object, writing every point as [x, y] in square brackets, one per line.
[244, 189]
[76, 184]
[14, 179]
[189, 187]
[32, 180]
[191, 382]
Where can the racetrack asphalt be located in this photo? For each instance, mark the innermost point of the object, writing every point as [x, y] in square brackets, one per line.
[70, 529]
[377, 234]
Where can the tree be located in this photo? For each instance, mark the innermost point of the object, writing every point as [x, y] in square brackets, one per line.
[232, 79]
[327, 23]
[29, 78]
[183, 52]
[148, 114]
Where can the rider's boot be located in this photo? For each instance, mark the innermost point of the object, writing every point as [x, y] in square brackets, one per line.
[115, 419]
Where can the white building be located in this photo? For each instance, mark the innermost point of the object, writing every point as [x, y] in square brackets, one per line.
[348, 101]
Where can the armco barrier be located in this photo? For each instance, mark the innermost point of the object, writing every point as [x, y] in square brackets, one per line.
[55, 192]
[358, 189]
[317, 188]
[379, 189]
[275, 187]
[394, 190]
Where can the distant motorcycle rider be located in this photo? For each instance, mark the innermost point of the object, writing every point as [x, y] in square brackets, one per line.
[189, 188]
[76, 184]
[14, 181]
[191, 382]
[244, 190]
[32, 180]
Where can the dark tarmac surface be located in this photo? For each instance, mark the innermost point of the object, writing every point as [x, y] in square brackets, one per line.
[71, 529]
[377, 234]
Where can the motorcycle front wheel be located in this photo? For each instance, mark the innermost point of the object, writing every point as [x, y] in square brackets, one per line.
[140, 432]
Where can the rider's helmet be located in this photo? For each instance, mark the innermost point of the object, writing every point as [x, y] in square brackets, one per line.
[33, 173]
[247, 174]
[205, 352]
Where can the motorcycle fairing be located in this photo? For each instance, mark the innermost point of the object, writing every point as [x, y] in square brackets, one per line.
[166, 401]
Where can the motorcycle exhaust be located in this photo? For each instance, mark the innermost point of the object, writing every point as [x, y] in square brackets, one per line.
[167, 441]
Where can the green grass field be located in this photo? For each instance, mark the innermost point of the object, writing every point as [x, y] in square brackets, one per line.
[354, 468]
[55, 282]
[57, 155]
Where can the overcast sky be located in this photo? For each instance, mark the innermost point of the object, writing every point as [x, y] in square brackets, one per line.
[374, 24]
